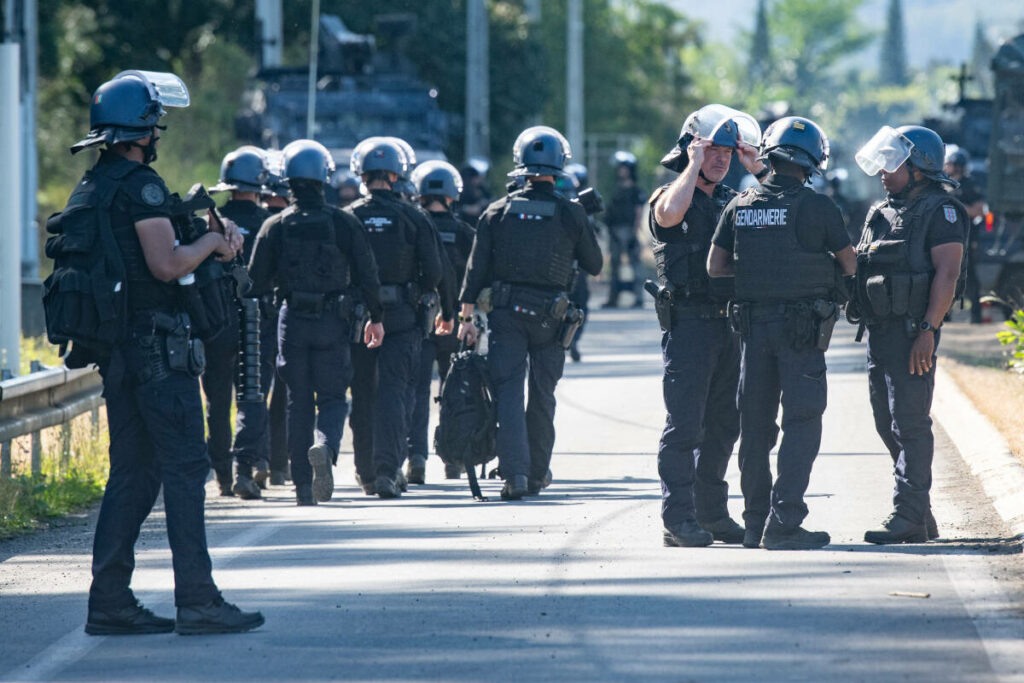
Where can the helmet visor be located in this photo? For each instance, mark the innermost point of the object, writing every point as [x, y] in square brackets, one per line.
[275, 161]
[706, 122]
[886, 151]
[166, 88]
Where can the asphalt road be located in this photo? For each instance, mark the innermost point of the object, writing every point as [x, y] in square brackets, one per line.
[574, 585]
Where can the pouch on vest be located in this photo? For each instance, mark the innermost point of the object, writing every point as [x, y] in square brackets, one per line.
[920, 294]
[899, 285]
[887, 252]
[878, 296]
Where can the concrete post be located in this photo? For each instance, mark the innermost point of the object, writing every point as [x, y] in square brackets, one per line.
[574, 123]
[478, 89]
[10, 207]
[314, 55]
[268, 16]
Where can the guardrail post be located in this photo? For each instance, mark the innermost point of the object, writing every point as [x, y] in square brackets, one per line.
[37, 454]
[5, 459]
[95, 417]
[65, 447]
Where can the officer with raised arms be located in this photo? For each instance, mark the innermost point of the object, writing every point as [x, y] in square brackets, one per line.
[701, 351]
[383, 390]
[909, 267]
[148, 357]
[313, 254]
[524, 250]
[785, 244]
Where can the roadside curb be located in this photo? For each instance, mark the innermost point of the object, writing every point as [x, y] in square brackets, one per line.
[983, 449]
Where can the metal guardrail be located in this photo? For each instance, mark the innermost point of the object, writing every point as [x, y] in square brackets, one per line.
[43, 399]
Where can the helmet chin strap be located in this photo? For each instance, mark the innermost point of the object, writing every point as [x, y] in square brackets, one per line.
[148, 149]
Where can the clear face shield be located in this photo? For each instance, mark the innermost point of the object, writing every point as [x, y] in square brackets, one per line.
[886, 151]
[714, 121]
[165, 88]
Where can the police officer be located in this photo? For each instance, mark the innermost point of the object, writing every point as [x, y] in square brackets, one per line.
[346, 187]
[153, 404]
[313, 253]
[579, 179]
[782, 240]
[625, 212]
[438, 185]
[384, 385]
[909, 262]
[701, 351]
[242, 172]
[524, 248]
[476, 196]
[274, 196]
[957, 167]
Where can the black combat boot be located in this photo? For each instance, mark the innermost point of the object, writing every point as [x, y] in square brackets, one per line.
[515, 488]
[898, 529]
[225, 484]
[724, 529]
[753, 534]
[453, 471]
[277, 478]
[323, 476]
[262, 473]
[216, 616]
[930, 525]
[535, 486]
[778, 537]
[126, 621]
[687, 534]
[304, 495]
[416, 470]
[245, 488]
[386, 487]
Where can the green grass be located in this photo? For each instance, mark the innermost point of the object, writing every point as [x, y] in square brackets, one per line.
[37, 348]
[29, 501]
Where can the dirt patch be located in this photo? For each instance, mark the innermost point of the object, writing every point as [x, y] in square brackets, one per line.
[998, 394]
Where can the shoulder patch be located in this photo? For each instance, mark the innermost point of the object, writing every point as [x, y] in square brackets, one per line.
[949, 213]
[153, 194]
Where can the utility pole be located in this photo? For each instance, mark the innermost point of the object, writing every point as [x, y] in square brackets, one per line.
[269, 20]
[574, 78]
[29, 161]
[10, 190]
[314, 54]
[478, 90]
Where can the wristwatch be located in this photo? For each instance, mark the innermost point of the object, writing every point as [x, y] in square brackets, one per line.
[925, 326]
[763, 172]
[465, 318]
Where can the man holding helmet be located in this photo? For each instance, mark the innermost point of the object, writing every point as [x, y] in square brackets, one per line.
[909, 263]
[150, 366]
[524, 250]
[701, 352]
[784, 244]
[312, 253]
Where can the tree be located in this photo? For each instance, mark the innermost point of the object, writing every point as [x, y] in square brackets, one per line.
[760, 62]
[981, 60]
[892, 67]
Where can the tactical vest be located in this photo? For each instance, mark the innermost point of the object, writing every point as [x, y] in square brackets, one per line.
[771, 266]
[249, 217]
[449, 229]
[392, 236]
[532, 245]
[311, 262]
[894, 265]
[683, 262]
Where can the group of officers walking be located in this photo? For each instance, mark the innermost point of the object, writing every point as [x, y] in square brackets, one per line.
[367, 298]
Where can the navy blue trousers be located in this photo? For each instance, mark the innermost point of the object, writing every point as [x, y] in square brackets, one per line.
[702, 366]
[398, 363]
[772, 370]
[519, 346]
[438, 349]
[156, 439]
[902, 404]
[314, 362]
[219, 386]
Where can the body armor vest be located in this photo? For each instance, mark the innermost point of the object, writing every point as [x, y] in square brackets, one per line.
[392, 236]
[311, 260]
[771, 266]
[532, 245]
[249, 217]
[450, 231]
[683, 262]
[894, 266]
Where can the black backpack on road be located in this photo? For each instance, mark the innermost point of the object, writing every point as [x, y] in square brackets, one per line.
[468, 421]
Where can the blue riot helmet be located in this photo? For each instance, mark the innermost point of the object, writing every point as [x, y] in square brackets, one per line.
[476, 166]
[437, 179]
[724, 126]
[567, 185]
[274, 185]
[378, 154]
[580, 173]
[919, 147]
[957, 156]
[797, 140]
[244, 170]
[307, 160]
[407, 150]
[128, 107]
[928, 153]
[540, 150]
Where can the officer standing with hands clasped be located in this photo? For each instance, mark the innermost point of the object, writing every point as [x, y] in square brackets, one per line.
[701, 351]
[138, 332]
[524, 250]
[909, 271]
[384, 387]
[782, 242]
[312, 253]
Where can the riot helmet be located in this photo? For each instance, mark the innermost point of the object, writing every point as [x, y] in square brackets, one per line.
[378, 154]
[957, 157]
[797, 140]
[476, 166]
[274, 185]
[408, 151]
[307, 160]
[580, 174]
[919, 147]
[437, 178]
[724, 126]
[129, 107]
[540, 150]
[244, 170]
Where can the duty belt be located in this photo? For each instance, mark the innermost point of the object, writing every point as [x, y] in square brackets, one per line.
[684, 310]
[531, 301]
[392, 295]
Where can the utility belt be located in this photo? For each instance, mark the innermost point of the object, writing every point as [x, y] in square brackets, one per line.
[165, 344]
[395, 295]
[314, 305]
[672, 308]
[808, 324]
[535, 302]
